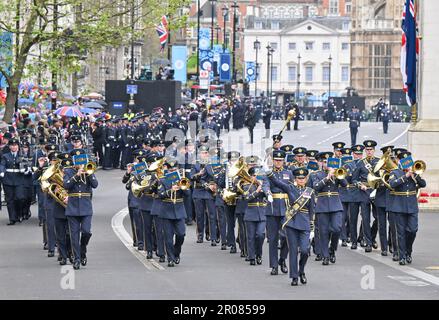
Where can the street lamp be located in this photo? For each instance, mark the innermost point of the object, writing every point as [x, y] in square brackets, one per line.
[330, 66]
[217, 28]
[212, 3]
[386, 59]
[199, 13]
[234, 6]
[271, 72]
[256, 46]
[268, 69]
[225, 13]
[298, 78]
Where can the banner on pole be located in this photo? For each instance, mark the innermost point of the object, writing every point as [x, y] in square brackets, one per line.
[179, 62]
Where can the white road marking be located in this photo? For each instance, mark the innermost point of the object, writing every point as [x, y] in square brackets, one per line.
[405, 269]
[122, 234]
[332, 137]
[393, 140]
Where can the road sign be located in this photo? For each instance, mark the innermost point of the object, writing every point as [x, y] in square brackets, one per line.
[204, 74]
[53, 94]
[204, 83]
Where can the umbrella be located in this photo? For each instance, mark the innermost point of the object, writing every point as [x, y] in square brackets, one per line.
[93, 95]
[93, 105]
[161, 61]
[69, 111]
[89, 110]
[25, 101]
[101, 102]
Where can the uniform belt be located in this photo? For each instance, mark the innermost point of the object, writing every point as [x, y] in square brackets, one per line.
[327, 194]
[12, 170]
[403, 193]
[351, 186]
[79, 195]
[257, 204]
[304, 210]
[280, 196]
[172, 201]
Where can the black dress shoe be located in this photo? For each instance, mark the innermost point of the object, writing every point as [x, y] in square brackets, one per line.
[402, 262]
[332, 258]
[11, 223]
[71, 259]
[363, 243]
[140, 247]
[84, 261]
[252, 262]
[62, 262]
[223, 246]
[162, 259]
[51, 254]
[177, 260]
[135, 244]
[207, 237]
[40, 224]
[213, 243]
[59, 258]
[384, 253]
[395, 257]
[318, 258]
[283, 266]
[242, 255]
[354, 246]
[149, 255]
[303, 279]
[368, 249]
[344, 243]
[409, 259]
[375, 245]
[274, 271]
[76, 265]
[325, 261]
[217, 240]
[171, 264]
[233, 250]
[199, 240]
[45, 246]
[295, 282]
[259, 260]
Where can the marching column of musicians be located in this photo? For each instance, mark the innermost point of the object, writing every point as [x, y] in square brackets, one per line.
[300, 200]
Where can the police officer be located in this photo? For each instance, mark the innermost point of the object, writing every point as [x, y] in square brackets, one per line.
[79, 208]
[299, 227]
[250, 121]
[173, 215]
[25, 190]
[354, 124]
[296, 116]
[404, 205]
[275, 214]
[257, 194]
[266, 117]
[385, 117]
[331, 111]
[359, 178]
[329, 210]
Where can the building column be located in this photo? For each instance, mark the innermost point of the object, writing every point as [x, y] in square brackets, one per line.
[423, 137]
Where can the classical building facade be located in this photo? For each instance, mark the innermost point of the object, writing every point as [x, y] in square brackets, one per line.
[376, 47]
[322, 43]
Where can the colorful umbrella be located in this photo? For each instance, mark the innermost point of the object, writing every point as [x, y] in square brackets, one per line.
[93, 105]
[69, 111]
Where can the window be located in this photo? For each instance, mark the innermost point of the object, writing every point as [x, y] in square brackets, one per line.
[345, 46]
[237, 43]
[308, 73]
[274, 25]
[292, 46]
[273, 45]
[345, 26]
[258, 25]
[348, 8]
[309, 45]
[326, 46]
[273, 73]
[345, 73]
[333, 7]
[292, 73]
[325, 73]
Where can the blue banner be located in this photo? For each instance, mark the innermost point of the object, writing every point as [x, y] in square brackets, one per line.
[140, 167]
[313, 166]
[172, 177]
[206, 55]
[225, 74]
[80, 159]
[333, 163]
[346, 159]
[406, 163]
[250, 71]
[179, 60]
[6, 54]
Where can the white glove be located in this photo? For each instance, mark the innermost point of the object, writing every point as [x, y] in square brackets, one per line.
[311, 235]
[22, 170]
[2, 175]
[107, 145]
[127, 145]
[270, 198]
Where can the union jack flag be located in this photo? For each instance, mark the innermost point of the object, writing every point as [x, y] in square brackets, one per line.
[409, 51]
[162, 31]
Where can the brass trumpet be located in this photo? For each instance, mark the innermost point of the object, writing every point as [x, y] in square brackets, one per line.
[90, 168]
[340, 173]
[419, 167]
[184, 182]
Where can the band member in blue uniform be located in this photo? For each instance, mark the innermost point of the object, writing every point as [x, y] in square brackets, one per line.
[403, 203]
[346, 197]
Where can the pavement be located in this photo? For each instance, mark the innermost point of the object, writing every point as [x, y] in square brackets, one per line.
[116, 270]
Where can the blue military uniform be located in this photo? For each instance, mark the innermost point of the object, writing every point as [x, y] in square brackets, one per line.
[346, 196]
[173, 214]
[79, 210]
[385, 117]
[298, 228]
[403, 203]
[354, 124]
[275, 215]
[329, 210]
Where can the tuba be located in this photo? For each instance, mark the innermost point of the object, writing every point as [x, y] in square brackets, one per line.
[52, 182]
[240, 169]
[138, 187]
[385, 163]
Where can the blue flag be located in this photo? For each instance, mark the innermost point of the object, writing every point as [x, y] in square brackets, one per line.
[225, 75]
[406, 163]
[250, 71]
[172, 177]
[80, 159]
[179, 59]
[334, 163]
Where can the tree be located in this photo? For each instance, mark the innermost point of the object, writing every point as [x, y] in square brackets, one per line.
[68, 30]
